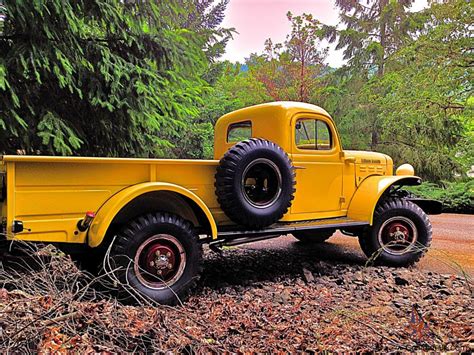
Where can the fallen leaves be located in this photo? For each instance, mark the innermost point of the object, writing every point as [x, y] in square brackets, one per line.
[249, 301]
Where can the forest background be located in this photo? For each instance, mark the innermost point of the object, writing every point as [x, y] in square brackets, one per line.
[145, 79]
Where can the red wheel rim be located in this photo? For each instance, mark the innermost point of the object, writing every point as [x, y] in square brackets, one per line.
[397, 235]
[159, 261]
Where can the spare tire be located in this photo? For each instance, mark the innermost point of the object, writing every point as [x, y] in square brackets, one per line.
[255, 183]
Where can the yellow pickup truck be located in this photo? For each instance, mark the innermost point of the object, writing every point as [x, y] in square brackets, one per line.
[278, 169]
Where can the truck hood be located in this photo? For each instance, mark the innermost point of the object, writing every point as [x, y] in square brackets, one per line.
[364, 157]
[369, 163]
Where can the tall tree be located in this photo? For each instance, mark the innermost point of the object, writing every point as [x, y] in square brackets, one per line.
[291, 70]
[205, 17]
[95, 77]
[194, 139]
[275, 70]
[303, 47]
[372, 30]
[426, 98]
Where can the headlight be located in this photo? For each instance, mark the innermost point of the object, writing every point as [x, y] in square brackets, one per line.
[405, 169]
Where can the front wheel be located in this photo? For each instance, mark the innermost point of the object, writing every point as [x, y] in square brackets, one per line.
[157, 256]
[400, 235]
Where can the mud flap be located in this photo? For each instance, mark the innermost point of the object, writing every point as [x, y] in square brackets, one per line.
[428, 206]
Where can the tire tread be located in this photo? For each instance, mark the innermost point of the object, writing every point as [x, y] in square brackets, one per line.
[390, 204]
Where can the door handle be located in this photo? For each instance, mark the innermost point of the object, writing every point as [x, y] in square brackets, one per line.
[350, 160]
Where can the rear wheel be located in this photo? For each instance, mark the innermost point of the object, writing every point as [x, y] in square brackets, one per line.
[313, 237]
[158, 256]
[400, 235]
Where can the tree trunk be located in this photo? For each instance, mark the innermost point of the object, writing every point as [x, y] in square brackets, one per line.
[375, 138]
[383, 38]
[302, 96]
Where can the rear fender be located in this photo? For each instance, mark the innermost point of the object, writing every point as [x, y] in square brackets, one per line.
[117, 202]
[369, 192]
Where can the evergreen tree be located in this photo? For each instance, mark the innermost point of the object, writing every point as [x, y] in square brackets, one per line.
[372, 31]
[205, 17]
[95, 77]
[426, 98]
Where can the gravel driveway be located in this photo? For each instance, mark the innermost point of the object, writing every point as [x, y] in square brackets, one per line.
[452, 249]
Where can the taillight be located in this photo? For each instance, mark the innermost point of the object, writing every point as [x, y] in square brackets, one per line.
[85, 223]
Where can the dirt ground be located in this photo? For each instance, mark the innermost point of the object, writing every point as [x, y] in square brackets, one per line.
[452, 250]
[278, 295]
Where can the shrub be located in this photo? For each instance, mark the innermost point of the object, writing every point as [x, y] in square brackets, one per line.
[456, 196]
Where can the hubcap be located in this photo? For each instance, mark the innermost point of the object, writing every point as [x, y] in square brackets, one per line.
[397, 235]
[160, 261]
[261, 182]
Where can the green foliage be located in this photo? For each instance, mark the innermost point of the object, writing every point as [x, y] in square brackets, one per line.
[232, 90]
[456, 196]
[418, 108]
[95, 77]
[340, 95]
[372, 31]
[465, 148]
[142, 78]
[422, 98]
[204, 17]
[291, 70]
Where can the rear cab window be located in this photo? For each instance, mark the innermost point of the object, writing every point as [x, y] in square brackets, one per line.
[239, 131]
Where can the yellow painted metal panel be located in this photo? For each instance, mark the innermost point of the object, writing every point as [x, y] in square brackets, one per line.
[362, 205]
[95, 160]
[61, 229]
[319, 174]
[62, 202]
[78, 174]
[291, 217]
[270, 121]
[10, 201]
[110, 209]
[51, 194]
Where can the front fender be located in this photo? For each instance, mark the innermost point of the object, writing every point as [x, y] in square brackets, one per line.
[113, 205]
[364, 201]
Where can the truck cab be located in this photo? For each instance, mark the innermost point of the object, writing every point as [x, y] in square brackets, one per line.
[327, 176]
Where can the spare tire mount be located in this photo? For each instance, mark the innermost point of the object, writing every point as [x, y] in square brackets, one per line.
[255, 183]
[261, 183]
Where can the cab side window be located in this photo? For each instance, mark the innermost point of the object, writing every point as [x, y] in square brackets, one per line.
[238, 132]
[313, 134]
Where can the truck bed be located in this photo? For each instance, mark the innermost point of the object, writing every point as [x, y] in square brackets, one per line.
[50, 194]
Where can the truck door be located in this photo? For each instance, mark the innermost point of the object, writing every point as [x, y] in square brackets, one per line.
[319, 167]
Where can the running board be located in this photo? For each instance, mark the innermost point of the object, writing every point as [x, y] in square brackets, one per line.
[280, 228]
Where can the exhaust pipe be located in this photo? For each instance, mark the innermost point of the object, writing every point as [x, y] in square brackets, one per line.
[215, 246]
